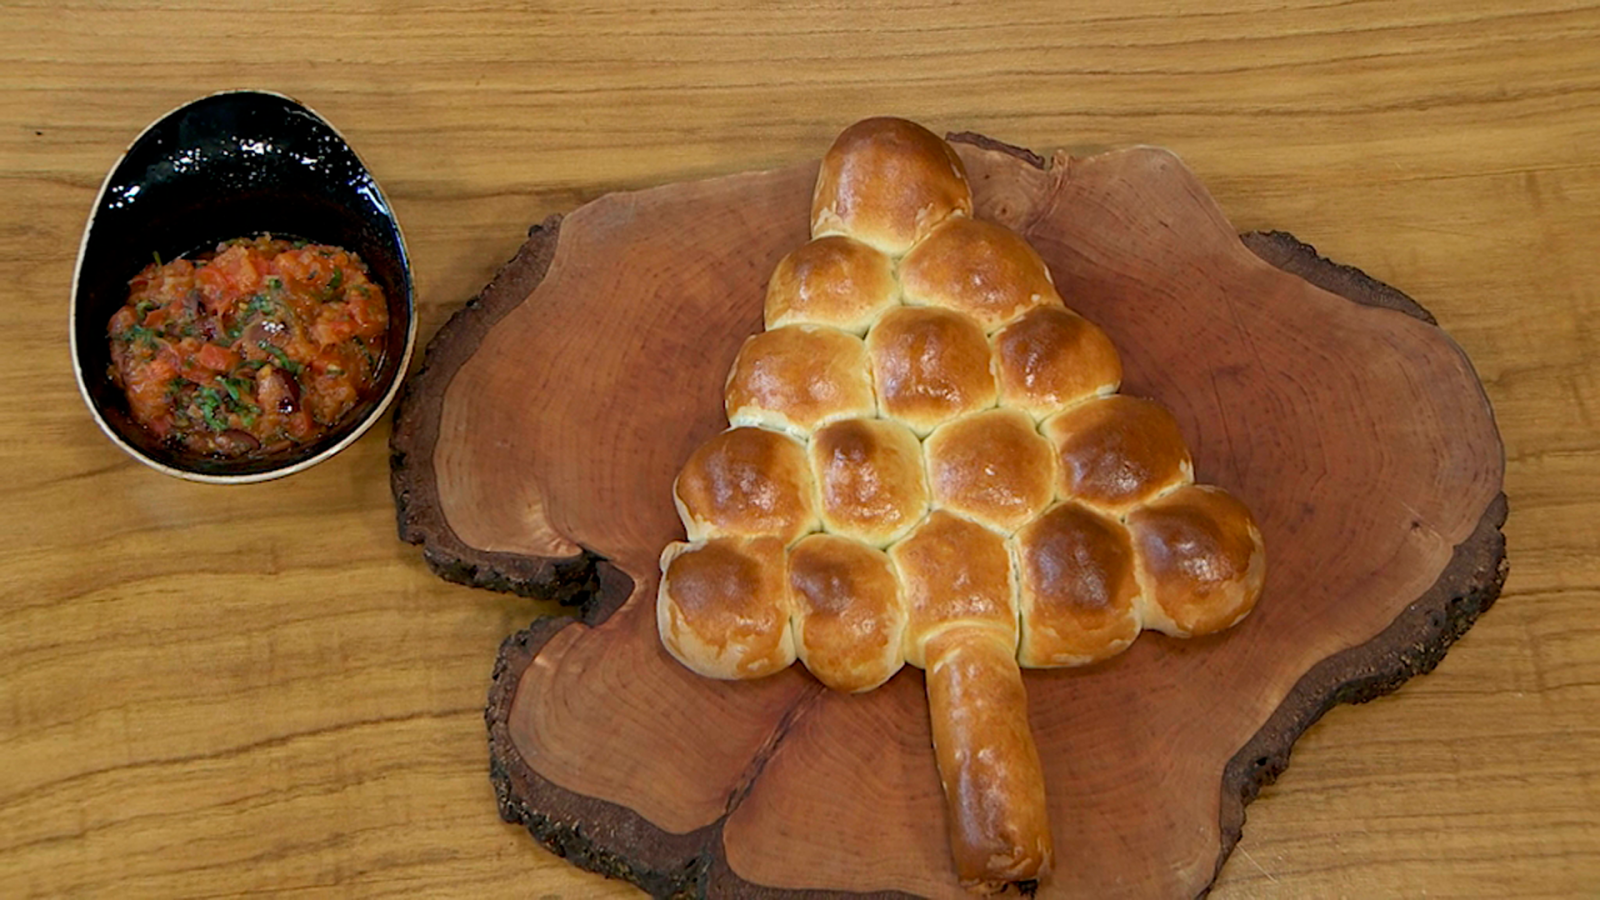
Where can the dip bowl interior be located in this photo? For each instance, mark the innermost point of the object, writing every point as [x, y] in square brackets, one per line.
[234, 164]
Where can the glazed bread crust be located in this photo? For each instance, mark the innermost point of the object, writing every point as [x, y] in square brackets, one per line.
[928, 463]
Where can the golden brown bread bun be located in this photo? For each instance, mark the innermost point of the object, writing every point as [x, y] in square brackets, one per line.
[1113, 452]
[747, 482]
[978, 268]
[955, 573]
[832, 280]
[999, 823]
[1077, 588]
[722, 607]
[849, 619]
[1050, 358]
[798, 377]
[888, 182]
[991, 466]
[929, 365]
[1200, 560]
[870, 479]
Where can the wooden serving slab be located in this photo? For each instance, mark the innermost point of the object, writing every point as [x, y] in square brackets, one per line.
[535, 451]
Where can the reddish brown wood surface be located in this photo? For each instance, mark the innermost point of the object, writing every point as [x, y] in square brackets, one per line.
[552, 415]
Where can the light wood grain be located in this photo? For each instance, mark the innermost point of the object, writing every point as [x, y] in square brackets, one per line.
[209, 691]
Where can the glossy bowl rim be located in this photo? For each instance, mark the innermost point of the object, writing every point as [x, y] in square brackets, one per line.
[289, 468]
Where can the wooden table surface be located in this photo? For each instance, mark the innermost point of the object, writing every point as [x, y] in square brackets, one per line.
[209, 691]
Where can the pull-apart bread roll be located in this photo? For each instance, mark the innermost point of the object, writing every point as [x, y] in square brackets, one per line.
[928, 462]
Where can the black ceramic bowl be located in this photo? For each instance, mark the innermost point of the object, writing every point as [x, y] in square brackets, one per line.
[233, 164]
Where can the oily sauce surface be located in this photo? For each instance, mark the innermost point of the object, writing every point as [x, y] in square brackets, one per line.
[254, 348]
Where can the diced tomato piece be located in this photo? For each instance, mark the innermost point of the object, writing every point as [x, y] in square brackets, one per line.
[270, 389]
[298, 424]
[215, 358]
[248, 276]
[122, 320]
[334, 324]
[168, 356]
[177, 277]
[147, 388]
[161, 369]
[160, 316]
[295, 264]
[215, 289]
[369, 312]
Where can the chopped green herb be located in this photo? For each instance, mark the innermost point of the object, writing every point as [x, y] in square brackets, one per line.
[238, 389]
[157, 255]
[336, 280]
[372, 362]
[210, 403]
[260, 304]
[145, 336]
[216, 405]
[283, 358]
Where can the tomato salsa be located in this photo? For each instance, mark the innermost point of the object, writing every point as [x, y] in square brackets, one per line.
[256, 347]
